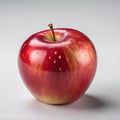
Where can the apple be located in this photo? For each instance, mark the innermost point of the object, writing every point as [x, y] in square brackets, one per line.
[57, 65]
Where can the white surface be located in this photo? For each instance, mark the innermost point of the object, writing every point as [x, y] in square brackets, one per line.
[98, 19]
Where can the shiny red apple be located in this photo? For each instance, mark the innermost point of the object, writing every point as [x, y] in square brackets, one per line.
[57, 65]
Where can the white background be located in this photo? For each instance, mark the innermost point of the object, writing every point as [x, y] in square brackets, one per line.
[98, 19]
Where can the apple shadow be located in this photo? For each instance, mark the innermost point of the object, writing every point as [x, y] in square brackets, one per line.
[89, 102]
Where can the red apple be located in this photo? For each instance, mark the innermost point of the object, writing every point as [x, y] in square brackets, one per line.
[57, 65]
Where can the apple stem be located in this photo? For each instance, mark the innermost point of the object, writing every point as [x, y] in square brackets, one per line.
[53, 33]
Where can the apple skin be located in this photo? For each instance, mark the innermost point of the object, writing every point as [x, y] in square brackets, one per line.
[57, 72]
